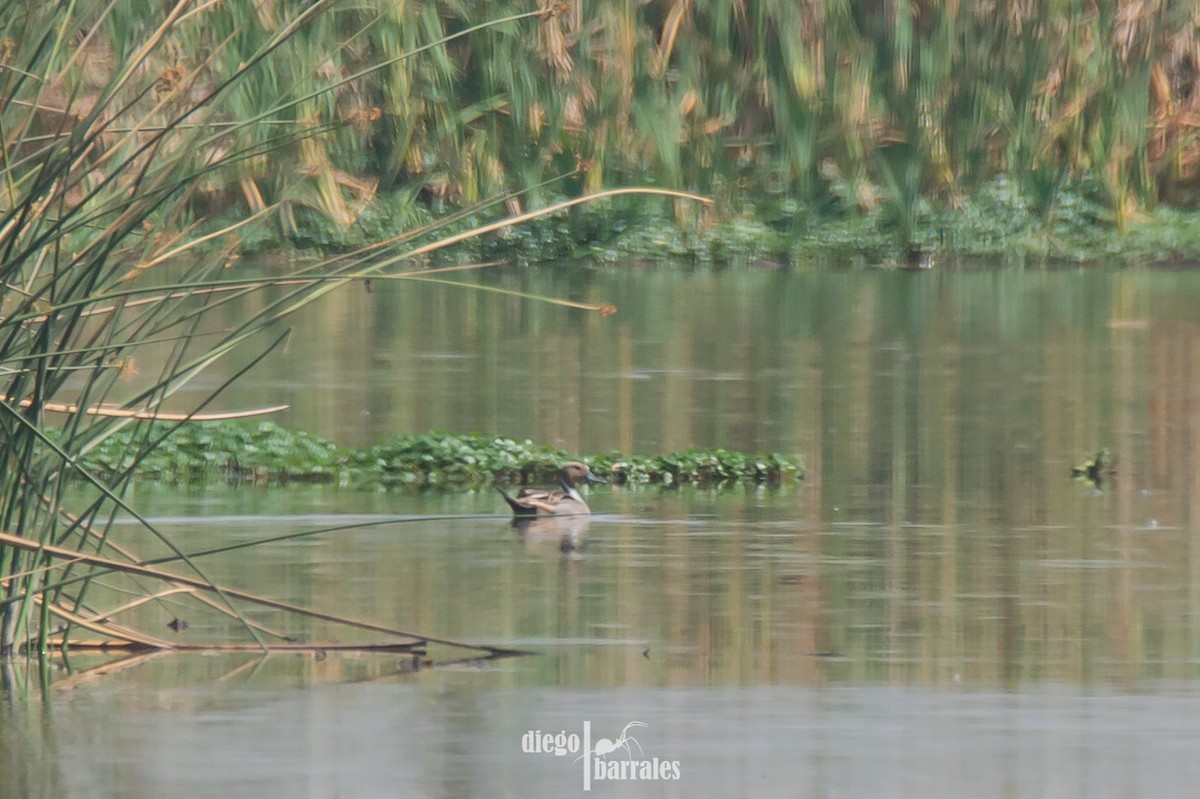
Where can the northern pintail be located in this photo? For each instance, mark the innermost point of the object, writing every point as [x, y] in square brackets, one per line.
[530, 502]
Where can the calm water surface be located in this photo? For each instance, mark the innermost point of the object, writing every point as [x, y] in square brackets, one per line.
[937, 611]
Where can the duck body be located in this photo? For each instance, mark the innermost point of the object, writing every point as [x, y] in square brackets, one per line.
[533, 502]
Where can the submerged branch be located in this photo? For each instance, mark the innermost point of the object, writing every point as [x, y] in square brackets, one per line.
[312, 648]
[29, 545]
[160, 416]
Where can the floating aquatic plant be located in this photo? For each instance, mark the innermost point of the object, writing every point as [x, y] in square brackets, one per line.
[265, 452]
[1096, 469]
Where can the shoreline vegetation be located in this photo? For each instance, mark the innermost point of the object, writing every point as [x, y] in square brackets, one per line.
[880, 133]
[873, 133]
[994, 225]
[265, 453]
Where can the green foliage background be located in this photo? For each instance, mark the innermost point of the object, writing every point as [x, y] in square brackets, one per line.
[798, 109]
[790, 114]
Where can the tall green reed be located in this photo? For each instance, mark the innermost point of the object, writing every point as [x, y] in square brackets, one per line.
[773, 101]
[104, 142]
[766, 102]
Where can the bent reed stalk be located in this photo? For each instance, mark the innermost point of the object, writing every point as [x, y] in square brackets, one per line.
[119, 135]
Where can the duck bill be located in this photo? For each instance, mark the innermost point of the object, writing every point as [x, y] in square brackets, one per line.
[592, 478]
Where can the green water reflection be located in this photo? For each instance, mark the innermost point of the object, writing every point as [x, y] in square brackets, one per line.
[938, 575]
[699, 589]
[937, 535]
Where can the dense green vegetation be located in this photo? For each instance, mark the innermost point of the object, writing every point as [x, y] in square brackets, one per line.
[994, 222]
[1063, 129]
[1045, 129]
[264, 452]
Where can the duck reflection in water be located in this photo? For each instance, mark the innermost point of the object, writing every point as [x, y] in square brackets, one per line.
[568, 531]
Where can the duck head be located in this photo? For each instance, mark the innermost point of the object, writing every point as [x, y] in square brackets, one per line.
[575, 473]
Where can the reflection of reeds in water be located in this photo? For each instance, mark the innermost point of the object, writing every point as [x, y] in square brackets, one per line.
[119, 637]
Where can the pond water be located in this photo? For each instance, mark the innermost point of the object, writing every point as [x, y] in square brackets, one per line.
[938, 610]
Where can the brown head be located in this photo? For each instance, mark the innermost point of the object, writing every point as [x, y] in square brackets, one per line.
[575, 473]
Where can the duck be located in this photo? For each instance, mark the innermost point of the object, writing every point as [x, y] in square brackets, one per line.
[533, 502]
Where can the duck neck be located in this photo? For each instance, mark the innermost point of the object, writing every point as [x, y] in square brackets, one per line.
[569, 488]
